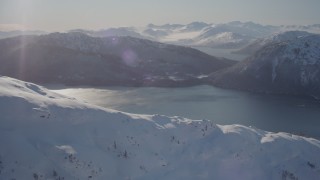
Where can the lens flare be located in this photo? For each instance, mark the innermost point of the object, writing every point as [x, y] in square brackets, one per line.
[129, 57]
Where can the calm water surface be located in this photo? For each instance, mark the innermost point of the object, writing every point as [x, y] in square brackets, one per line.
[271, 113]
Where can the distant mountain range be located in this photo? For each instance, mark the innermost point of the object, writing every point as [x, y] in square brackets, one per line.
[288, 63]
[78, 59]
[277, 37]
[280, 62]
[232, 35]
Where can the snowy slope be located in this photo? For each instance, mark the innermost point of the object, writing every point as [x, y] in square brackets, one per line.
[44, 135]
[222, 40]
[234, 34]
[288, 66]
[175, 33]
[192, 34]
[277, 37]
[227, 35]
[313, 28]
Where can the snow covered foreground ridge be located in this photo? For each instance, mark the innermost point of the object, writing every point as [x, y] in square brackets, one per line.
[44, 135]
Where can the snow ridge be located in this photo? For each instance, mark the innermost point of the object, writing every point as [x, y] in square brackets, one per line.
[44, 135]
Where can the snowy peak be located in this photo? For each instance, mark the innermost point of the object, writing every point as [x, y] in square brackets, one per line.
[314, 28]
[216, 39]
[298, 46]
[165, 26]
[199, 33]
[231, 35]
[288, 35]
[247, 28]
[304, 50]
[193, 34]
[121, 31]
[250, 25]
[289, 64]
[49, 136]
[195, 26]
[274, 38]
[155, 33]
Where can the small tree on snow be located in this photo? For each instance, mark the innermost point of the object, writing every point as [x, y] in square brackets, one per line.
[114, 145]
[125, 154]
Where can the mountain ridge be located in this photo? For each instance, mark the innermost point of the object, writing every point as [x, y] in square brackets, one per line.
[282, 67]
[76, 58]
[192, 34]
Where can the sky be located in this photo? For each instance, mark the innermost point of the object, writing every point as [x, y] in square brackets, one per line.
[61, 15]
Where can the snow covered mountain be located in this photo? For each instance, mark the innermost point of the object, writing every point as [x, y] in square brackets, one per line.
[221, 40]
[313, 28]
[229, 35]
[44, 135]
[277, 37]
[285, 66]
[121, 31]
[76, 58]
[194, 26]
[232, 35]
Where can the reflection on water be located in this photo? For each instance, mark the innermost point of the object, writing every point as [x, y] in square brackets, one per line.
[272, 113]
